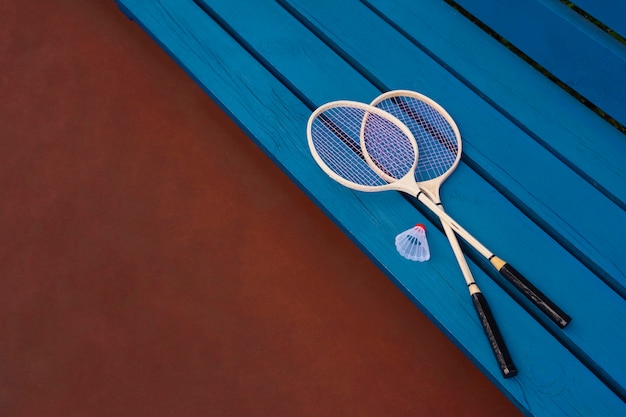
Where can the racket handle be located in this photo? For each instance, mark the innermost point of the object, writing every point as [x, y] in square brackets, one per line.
[493, 334]
[531, 292]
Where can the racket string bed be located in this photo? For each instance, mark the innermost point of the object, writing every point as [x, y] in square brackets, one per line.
[436, 138]
[388, 147]
[335, 134]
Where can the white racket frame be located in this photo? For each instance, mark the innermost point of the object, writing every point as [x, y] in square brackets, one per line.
[406, 184]
[374, 110]
[432, 186]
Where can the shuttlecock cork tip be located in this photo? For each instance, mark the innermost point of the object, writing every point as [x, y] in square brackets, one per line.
[421, 226]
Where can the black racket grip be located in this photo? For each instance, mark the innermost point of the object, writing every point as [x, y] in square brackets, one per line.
[533, 294]
[495, 337]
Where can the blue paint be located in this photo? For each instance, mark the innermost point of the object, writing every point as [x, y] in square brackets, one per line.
[610, 12]
[581, 139]
[493, 145]
[520, 237]
[563, 42]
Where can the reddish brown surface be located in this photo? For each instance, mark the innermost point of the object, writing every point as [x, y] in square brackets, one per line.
[138, 279]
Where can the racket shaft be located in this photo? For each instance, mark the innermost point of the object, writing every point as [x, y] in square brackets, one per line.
[446, 219]
[488, 322]
[547, 306]
[493, 334]
[458, 254]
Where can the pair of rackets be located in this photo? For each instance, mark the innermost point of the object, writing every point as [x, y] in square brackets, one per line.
[375, 147]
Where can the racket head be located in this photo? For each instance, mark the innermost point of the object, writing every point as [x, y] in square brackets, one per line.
[347, 140]
[435, 132]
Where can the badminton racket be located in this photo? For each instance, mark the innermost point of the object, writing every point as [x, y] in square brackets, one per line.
[439, 142]
[387, 160]
[332, 133]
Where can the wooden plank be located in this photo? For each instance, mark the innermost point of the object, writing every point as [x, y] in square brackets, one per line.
[609, 12]
[581, 139]
[258, 36]
[512, 84]
[523, 237]
[560, 386]
[573, 224]
[239, 13]
[567, 45]
[291, 51]
[551, 198]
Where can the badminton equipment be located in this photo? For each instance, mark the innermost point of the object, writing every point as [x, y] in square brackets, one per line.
[333, 130]
[368, 149]
[439, 143]
[412, 244]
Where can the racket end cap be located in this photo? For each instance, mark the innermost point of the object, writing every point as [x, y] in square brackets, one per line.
[508, 371]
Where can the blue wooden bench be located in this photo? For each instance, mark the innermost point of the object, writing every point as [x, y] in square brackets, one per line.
[537, 88]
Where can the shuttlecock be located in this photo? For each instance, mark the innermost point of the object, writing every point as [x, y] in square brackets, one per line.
[412, 244]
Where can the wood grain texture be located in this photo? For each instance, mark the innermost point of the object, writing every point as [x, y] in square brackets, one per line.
[566, 44]
[226, 51]
[545, 189]
[469, 197]
[611, 13]
[550, 115]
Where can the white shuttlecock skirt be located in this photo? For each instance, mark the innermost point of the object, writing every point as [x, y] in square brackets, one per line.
[412, 244]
